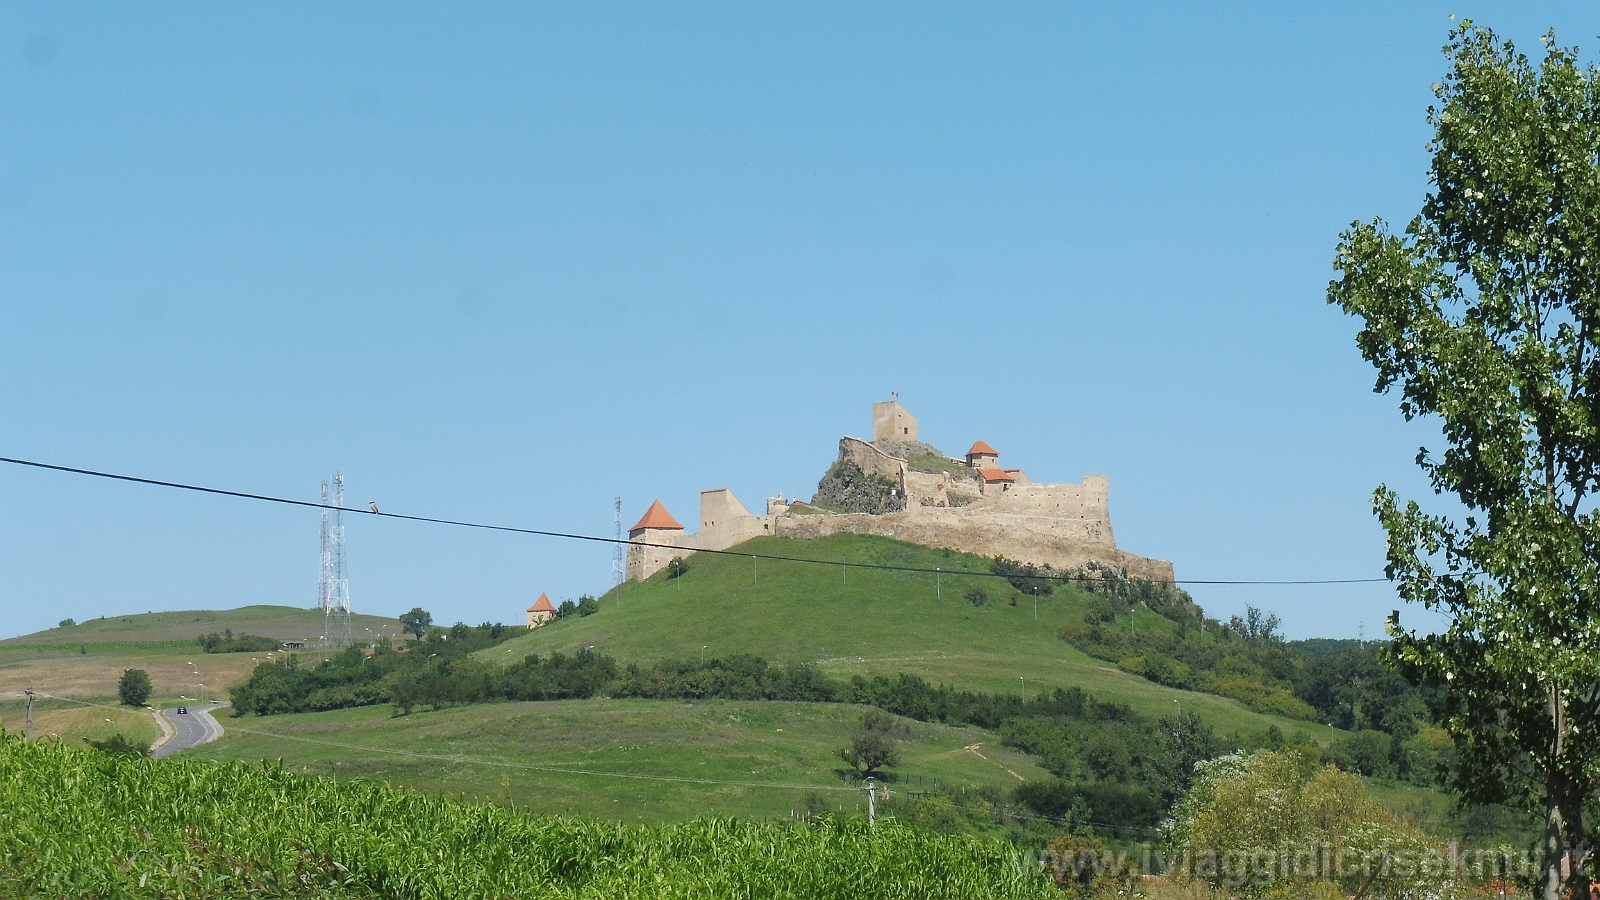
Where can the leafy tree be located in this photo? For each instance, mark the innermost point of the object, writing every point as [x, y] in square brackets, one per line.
[1257, 626]
[67, 623]
[134, 687]
[872, 746]
[587, 606]
[566, 608]
[1485, 313]
[416, 622]
[677, 567]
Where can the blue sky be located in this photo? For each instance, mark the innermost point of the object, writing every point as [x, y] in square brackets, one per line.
[506, 261]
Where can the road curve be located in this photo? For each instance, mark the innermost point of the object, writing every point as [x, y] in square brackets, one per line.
[192, 729]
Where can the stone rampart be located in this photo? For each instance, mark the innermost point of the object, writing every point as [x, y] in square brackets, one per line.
[987, 531]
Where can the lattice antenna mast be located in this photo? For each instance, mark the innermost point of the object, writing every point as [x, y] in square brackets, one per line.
[325, 578]
[338, 632]
[619, 557]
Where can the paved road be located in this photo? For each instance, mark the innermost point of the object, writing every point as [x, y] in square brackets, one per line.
[193, 729]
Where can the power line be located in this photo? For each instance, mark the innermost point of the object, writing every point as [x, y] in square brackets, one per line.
[266, 498]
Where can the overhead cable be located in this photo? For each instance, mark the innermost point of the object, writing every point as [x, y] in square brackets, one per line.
[598, 539]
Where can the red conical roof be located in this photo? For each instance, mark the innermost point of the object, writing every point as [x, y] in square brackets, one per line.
[656, 517]
[542, 604]
[982, 449]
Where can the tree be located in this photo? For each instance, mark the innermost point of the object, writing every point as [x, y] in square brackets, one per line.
[872, 746]
[134, 687]
[1485, 314]
[416, 622]
[66, 623]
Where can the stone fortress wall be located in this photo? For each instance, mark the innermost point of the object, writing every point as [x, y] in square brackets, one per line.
[949, 504]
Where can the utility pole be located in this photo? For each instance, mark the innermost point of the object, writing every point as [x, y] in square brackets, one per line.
[872, 802]
[28, 729]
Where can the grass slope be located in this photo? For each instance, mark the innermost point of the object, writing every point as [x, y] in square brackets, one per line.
[870, 621]
[84, 661]
[288, 623]
[72, 721]
[668, 761]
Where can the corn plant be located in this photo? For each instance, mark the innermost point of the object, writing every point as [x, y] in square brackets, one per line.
[76, 823]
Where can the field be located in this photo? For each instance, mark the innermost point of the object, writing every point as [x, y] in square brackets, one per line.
[668, 761]
[82, 824]
[872, 621]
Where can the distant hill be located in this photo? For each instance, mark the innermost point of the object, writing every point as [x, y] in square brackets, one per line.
[286, 623]
[870, 621]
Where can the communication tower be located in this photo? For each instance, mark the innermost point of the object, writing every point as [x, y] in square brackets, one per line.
[333, 593]
[619, 558]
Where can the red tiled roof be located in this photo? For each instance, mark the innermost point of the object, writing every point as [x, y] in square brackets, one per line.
[656, 517]
[982, 449]
[996, 475]
[542, 604]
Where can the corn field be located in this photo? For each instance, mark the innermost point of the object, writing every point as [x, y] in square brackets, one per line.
[80, 824]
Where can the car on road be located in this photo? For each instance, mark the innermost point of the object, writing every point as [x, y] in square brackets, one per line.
[183, 710]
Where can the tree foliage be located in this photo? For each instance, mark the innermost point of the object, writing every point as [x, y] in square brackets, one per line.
[872, 747]
[1484, 314]
[416, 622]
[133, 688]
[1275, 824]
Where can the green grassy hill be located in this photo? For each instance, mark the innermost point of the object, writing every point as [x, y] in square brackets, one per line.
[84, 661]
[287, 623]
[661, 761]
[872, 621]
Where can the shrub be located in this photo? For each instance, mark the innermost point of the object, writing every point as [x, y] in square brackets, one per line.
[1267, 816]
[1365, 753]
[227, 643]
[120, 745]
[587, 606]
[976, 596]
[66, 623]
[1025, 577]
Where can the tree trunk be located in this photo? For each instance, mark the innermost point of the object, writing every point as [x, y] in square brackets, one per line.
[1552, 841]
[1577, 846]
[1555, 791]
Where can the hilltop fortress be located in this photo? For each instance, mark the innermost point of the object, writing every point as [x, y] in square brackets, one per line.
[898, 487]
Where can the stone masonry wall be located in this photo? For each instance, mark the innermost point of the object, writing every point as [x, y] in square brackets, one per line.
[986, 531]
